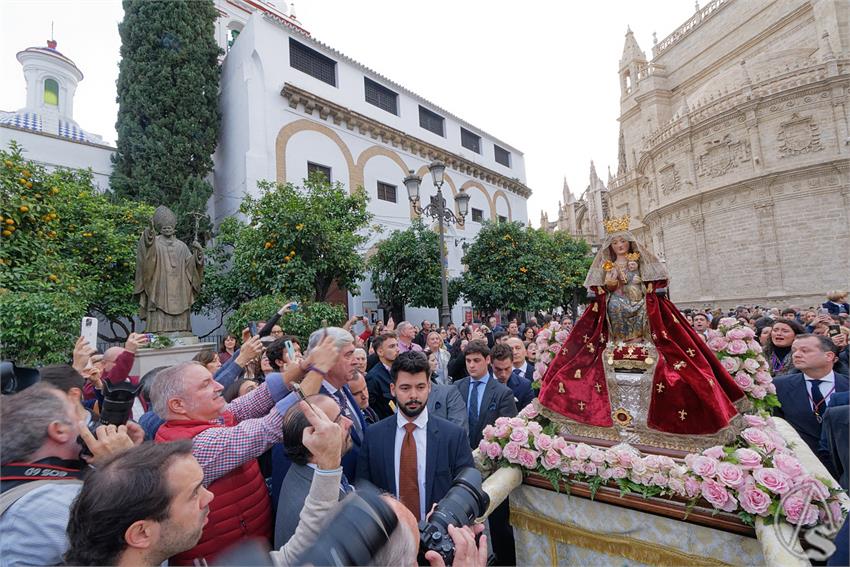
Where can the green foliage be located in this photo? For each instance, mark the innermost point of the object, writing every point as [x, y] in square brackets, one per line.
[296, 243]
[406, 270]
[168, 117]
[300, 323]
[522, 269]
[66, 251]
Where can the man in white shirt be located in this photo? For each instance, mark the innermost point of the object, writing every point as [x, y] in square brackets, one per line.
[427, 451]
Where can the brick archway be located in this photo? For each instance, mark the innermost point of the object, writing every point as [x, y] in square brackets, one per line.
[304, 125]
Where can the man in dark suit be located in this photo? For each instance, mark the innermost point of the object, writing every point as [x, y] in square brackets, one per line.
[444, 401]
[378, 378]
[522, 367]
[503, 369]
[804, 395]
[487, 400]
[360, 392]
[299, 477]
[412, 454]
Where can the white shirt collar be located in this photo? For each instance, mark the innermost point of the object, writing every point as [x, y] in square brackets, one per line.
[329, 387]
[421, 420]
[828, 378]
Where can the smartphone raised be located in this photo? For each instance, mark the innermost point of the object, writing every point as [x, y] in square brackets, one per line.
[88, 330]
[834, 330]
[252, 327]
[290, 350]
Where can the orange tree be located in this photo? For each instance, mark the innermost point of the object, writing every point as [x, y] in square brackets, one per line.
[294, 241]
[66, 251]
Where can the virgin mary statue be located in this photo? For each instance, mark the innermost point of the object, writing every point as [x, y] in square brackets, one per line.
[632, 369]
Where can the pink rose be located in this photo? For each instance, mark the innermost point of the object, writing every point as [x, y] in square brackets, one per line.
[736, 347]
[540, 368]
[692, 486]
[735, 335]
[605, 473]
[535, 428]
[730, 364]
[755, 347]
[543, 442]
[774, 480]
[835, 512]
[494, 451]
[818, 490]
[744, 380]
[501, 431]
[748, 333]
[716, 495]
[758, 392]
[677, 486]
[799, 510]
[717, 344]
[569, 451]
[528, 459]
[545, 357]
[754, 420]
[583, 451]
[652, 462]
[715, 452]
[777, 439]
[658, 479]
[529, 412]
[551, 460]
[545, 334]
[757, 437]
[618, 472]
[555, 348]
[511, 452]
[705, 467]
[597, 456]
[559, 443]
[748, 458]
[771, 389]
[520, 435]
[755, 501]
[763, 377]
[751, 365]
[576, 467]
[730, 474]
[488, 433]
[728, 322]
[561, 335]
[516, 422]
[589, 469]
[713, 334]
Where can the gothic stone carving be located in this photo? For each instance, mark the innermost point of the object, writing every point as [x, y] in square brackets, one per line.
[800, 135]
[722, 155]
[669, 179]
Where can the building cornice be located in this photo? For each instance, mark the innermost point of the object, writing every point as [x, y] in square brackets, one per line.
[57, 137]
[397, 138]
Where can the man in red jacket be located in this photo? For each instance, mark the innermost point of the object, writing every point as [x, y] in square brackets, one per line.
[228, 438]
[117, 363]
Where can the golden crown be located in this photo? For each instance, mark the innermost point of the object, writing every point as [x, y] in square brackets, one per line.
[633, 256]
[616, 224]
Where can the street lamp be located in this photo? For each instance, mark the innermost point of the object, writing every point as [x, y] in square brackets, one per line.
[437, 210]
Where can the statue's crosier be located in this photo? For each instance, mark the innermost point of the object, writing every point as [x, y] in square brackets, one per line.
[632, 369]
[168, 275]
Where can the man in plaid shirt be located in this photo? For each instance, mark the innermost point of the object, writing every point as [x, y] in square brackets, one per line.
[228, 438]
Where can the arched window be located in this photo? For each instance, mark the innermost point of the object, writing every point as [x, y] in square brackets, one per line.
[51, 92]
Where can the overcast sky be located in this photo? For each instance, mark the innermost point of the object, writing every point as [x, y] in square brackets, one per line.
[540, 75]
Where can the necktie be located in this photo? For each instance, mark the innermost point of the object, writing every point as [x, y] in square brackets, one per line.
[516, 373]
[345, 410]
[817, 397]
[345, 486]
[473, 403]
[408, 475]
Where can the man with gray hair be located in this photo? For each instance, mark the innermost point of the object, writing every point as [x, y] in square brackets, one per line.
[335, 384]
[42, 471]
[228, 438]
[406, 334]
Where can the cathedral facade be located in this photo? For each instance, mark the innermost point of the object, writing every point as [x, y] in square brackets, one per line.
[733, 153]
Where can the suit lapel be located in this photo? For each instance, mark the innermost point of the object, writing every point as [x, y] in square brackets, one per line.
[388, 454]
[432, 447]
[803, 407]
[486, 400]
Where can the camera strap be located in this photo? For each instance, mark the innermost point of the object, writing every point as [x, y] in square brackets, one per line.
[27, 472]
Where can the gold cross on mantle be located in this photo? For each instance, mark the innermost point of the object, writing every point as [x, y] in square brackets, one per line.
[598, 387]
[581, 406]
[682, 414]
[691, 352]
[660, 387]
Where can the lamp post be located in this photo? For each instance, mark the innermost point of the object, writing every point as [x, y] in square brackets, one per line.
[437, 210]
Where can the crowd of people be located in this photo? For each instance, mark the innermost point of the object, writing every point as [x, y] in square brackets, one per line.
[261, 441]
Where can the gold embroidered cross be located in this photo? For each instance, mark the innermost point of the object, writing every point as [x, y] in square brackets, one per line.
[679, 365]
[585, 338]
[590, 347]
[660, 387]
[682, 414]
[691, 352]
[581, 406]
[561, 388]
[577, 374]
[598, 387]
[601, 339]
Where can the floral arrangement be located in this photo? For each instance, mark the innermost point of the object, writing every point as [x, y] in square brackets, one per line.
[750, 477]
[741, 355]
[549, 341]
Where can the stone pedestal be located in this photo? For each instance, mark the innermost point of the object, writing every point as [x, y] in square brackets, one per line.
[149, 358]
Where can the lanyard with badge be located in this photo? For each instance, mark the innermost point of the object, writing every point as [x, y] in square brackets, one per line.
[816, 406]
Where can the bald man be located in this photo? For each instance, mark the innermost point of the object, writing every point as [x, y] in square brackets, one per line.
[117, 363]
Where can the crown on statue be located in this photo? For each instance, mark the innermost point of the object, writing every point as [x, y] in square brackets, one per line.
[616, 224]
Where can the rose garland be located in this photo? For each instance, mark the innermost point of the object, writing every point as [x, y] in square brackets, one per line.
[549, 343]
[741, 355]
[750, 476]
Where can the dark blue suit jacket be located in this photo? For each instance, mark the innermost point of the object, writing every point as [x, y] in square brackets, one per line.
[796, 408]
[521, 387]
[378, 383]
[446, 453]
[281, 462]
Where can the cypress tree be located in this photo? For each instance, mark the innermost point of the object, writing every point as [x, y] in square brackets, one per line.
[168, 116]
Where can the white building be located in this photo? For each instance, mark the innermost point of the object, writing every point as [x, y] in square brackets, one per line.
[45, 126]
[291, 104]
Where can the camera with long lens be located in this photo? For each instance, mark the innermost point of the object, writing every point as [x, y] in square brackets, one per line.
[118, 402]
[463, 503]
[354, 535]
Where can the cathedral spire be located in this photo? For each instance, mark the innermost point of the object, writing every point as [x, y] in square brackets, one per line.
[631, 50]
[568, 195]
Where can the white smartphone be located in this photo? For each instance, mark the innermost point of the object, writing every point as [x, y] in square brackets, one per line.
[88, 330]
